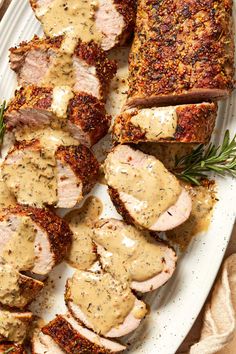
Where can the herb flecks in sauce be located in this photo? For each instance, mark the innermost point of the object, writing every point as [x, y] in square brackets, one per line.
[82, 254]
[132, 255]
[105, 301]
[9, 289]
[152, 186]
[75, 18]
[11, 328]
[203, 201]
[6, 197]
[19, 251]
[156, 122]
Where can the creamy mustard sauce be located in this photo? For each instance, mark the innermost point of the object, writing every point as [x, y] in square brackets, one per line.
[6, 197]
[75, 18]
[19, 250]
[9, 285]
[61, 97]
[32, 179]
[61, 72]
[82, 253]
[50, 137]
[105, 301]
[156, 122]
[11, 328]
[148, 181]
[203, 201]
[131, 254]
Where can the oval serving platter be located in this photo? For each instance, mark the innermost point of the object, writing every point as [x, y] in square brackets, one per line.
[174, 308]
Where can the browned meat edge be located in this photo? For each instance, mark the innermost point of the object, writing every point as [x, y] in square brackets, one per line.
[30, 96]
[82, 162]
[69, 339]
[15, 349]
[128, 10]
[195, 125]
[59, 233]
[30, 288]
[183, 52]
[120, 207]
[89, 113]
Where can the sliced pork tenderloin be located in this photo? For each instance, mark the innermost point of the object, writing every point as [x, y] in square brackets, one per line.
[193, 123]
[130, 254]
[11, 348]
[17, 290]
[43, 344]
[38, 175]
[33, 239]
[73, 337]
[81, 114]
[14, 326]
[104, 304]
[113, 20]
[42, 62]
[183, 52]
[144, 192]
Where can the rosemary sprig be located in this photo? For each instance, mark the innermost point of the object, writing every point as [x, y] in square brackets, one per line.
[2, 124]
[219, 159]
[8, 350]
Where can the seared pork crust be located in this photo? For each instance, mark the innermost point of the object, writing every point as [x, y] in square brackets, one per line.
[82, 162]
[29, 97]
[183, 52]
[70, 340]
[195, 124]
[84, 111]
[11, 348]
[29, 288]
[59, 233]
[89, 113]
[128, 10]
[120, 206]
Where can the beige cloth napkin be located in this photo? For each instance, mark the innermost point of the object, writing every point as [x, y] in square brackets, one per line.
[219, 321]
[215, 329]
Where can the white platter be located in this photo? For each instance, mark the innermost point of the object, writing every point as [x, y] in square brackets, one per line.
[175, 307]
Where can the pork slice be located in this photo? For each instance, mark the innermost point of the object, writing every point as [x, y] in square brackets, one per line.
[73, 167]
[129, 324]
[11, 348]
[14, 326]
[92, 70]
[84, 116]
[193, 123]
[80, 161]
[115, 20]
[44, 344]
[32, 60]
[132, 208]
[166, 254]
[17, 290]
[52, 237]
[72, 337]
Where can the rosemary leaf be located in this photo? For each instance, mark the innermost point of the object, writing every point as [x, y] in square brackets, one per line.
[219, 159]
